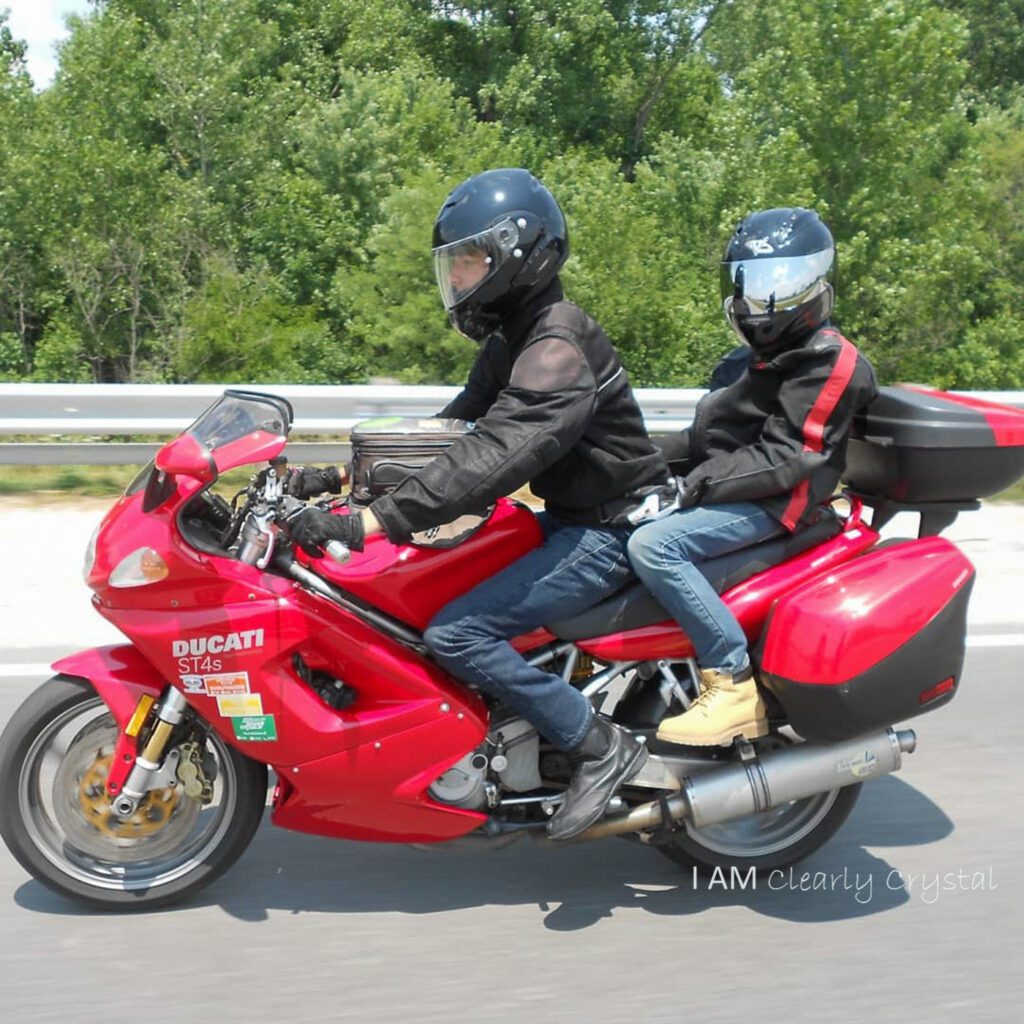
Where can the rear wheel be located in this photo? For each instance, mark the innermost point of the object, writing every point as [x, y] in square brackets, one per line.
[773, 839]
[57, 820]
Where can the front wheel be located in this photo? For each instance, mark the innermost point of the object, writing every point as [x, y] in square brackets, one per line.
[56, 817]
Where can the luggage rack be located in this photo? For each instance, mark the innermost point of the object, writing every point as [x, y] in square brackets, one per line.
[935, 515]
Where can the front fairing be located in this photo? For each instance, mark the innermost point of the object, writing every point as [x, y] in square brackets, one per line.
[240, 428]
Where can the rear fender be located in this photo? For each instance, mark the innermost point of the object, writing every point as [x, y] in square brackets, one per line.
[120, 675]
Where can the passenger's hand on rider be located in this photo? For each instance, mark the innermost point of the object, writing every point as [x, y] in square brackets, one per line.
[313, 529]
[691, 489]
[304, 482]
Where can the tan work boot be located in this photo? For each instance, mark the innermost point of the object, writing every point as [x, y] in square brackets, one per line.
[724, 710]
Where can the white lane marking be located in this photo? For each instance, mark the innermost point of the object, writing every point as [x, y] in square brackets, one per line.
[10, 671]
[997, 640]
[992, 640]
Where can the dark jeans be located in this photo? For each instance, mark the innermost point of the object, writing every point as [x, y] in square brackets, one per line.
[666, 555]
[576, 567]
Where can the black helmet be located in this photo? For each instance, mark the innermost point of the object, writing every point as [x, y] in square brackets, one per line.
[499, 238]
[777, 278]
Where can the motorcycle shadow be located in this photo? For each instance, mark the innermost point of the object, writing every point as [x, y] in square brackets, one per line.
[575, 886]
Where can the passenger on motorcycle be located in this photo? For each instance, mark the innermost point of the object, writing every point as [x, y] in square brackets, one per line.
[767, 444]
[552, 408]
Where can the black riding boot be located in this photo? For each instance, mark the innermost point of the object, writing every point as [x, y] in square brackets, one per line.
[607, 757]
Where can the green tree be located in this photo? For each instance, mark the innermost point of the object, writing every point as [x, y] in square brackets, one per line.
[608, 76]
[236, 328]
[995, 51]
[858, 114]
[21, 273]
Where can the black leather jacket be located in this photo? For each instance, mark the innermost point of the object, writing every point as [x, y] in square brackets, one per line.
[553, 408]
[775, 432]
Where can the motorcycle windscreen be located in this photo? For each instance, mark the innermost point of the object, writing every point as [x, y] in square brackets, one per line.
[241, 427]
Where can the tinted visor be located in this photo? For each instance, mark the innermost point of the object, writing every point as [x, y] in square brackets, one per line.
[463, 266]
[773, 285]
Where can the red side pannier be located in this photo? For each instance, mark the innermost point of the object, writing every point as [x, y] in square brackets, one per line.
[875, 642]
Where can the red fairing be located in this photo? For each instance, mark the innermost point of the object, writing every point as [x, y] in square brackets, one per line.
[837, 627]
[1006, 422]
[421, 581]
[377, 790]
[750, 601]
[220, 630]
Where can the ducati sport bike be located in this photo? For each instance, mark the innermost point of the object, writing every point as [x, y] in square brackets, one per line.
[139, 773]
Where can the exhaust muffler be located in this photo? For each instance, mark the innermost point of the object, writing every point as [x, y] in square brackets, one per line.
[759, 783]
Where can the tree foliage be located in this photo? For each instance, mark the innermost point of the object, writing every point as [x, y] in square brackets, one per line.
[245, 189]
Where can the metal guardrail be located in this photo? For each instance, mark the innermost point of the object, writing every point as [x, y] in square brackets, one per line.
[49, 414]
[102, 411]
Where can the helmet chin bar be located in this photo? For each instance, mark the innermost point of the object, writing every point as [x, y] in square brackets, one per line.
[796, 324]
[473, 323]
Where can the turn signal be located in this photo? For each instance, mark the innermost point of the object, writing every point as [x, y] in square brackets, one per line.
[90, 553]
[139, 569]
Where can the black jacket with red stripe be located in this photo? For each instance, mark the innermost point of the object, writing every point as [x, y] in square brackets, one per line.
[775, 432]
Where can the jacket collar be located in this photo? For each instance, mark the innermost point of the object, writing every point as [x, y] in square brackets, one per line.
[518, 324]
[817, 341]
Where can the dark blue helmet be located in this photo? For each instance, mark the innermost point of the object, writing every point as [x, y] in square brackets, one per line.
[778, 276]
[499, 239]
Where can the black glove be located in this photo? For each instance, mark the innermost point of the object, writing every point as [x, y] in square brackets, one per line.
[308, 481]
[312, 529]
[691, 490]
[304, 482]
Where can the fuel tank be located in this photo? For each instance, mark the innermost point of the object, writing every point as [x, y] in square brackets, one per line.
[412, 582]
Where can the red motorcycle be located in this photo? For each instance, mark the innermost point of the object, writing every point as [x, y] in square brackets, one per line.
[139, 772]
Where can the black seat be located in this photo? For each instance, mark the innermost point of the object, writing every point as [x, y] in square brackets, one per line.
[634, 606]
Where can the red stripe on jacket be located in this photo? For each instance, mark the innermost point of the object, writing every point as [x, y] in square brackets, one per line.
[814, 423]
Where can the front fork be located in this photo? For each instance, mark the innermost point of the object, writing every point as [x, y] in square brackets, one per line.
[148, 768]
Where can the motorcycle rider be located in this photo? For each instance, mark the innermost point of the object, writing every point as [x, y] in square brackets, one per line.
[766, 445]
[553, 408]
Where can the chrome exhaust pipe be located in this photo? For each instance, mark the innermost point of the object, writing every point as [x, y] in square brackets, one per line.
[759, 783]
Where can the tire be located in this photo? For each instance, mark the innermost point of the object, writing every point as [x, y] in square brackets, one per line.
[56, 820]
[774, 839]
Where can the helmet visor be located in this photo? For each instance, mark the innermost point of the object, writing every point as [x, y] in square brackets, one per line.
[759, 286]
[463, 266]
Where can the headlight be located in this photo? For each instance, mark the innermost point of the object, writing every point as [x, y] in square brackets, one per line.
[90, 554]
[139, 569]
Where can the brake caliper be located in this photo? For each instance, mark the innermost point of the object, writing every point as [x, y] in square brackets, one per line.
[197, 784]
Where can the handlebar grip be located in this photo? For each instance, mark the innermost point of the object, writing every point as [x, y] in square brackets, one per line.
[337, 551]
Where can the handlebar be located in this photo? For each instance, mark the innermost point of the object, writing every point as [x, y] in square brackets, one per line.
[338, 552]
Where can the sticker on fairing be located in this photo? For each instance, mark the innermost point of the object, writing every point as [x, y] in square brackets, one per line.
[255, 727]
[225, 684]
[217, 684]
[240, 705]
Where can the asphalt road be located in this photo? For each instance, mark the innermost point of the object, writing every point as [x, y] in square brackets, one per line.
[913, 912]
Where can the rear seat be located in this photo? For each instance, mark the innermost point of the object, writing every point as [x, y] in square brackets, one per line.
[634, 607]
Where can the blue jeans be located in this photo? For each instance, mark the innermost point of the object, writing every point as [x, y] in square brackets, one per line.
[576, 567]
[666, 555]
